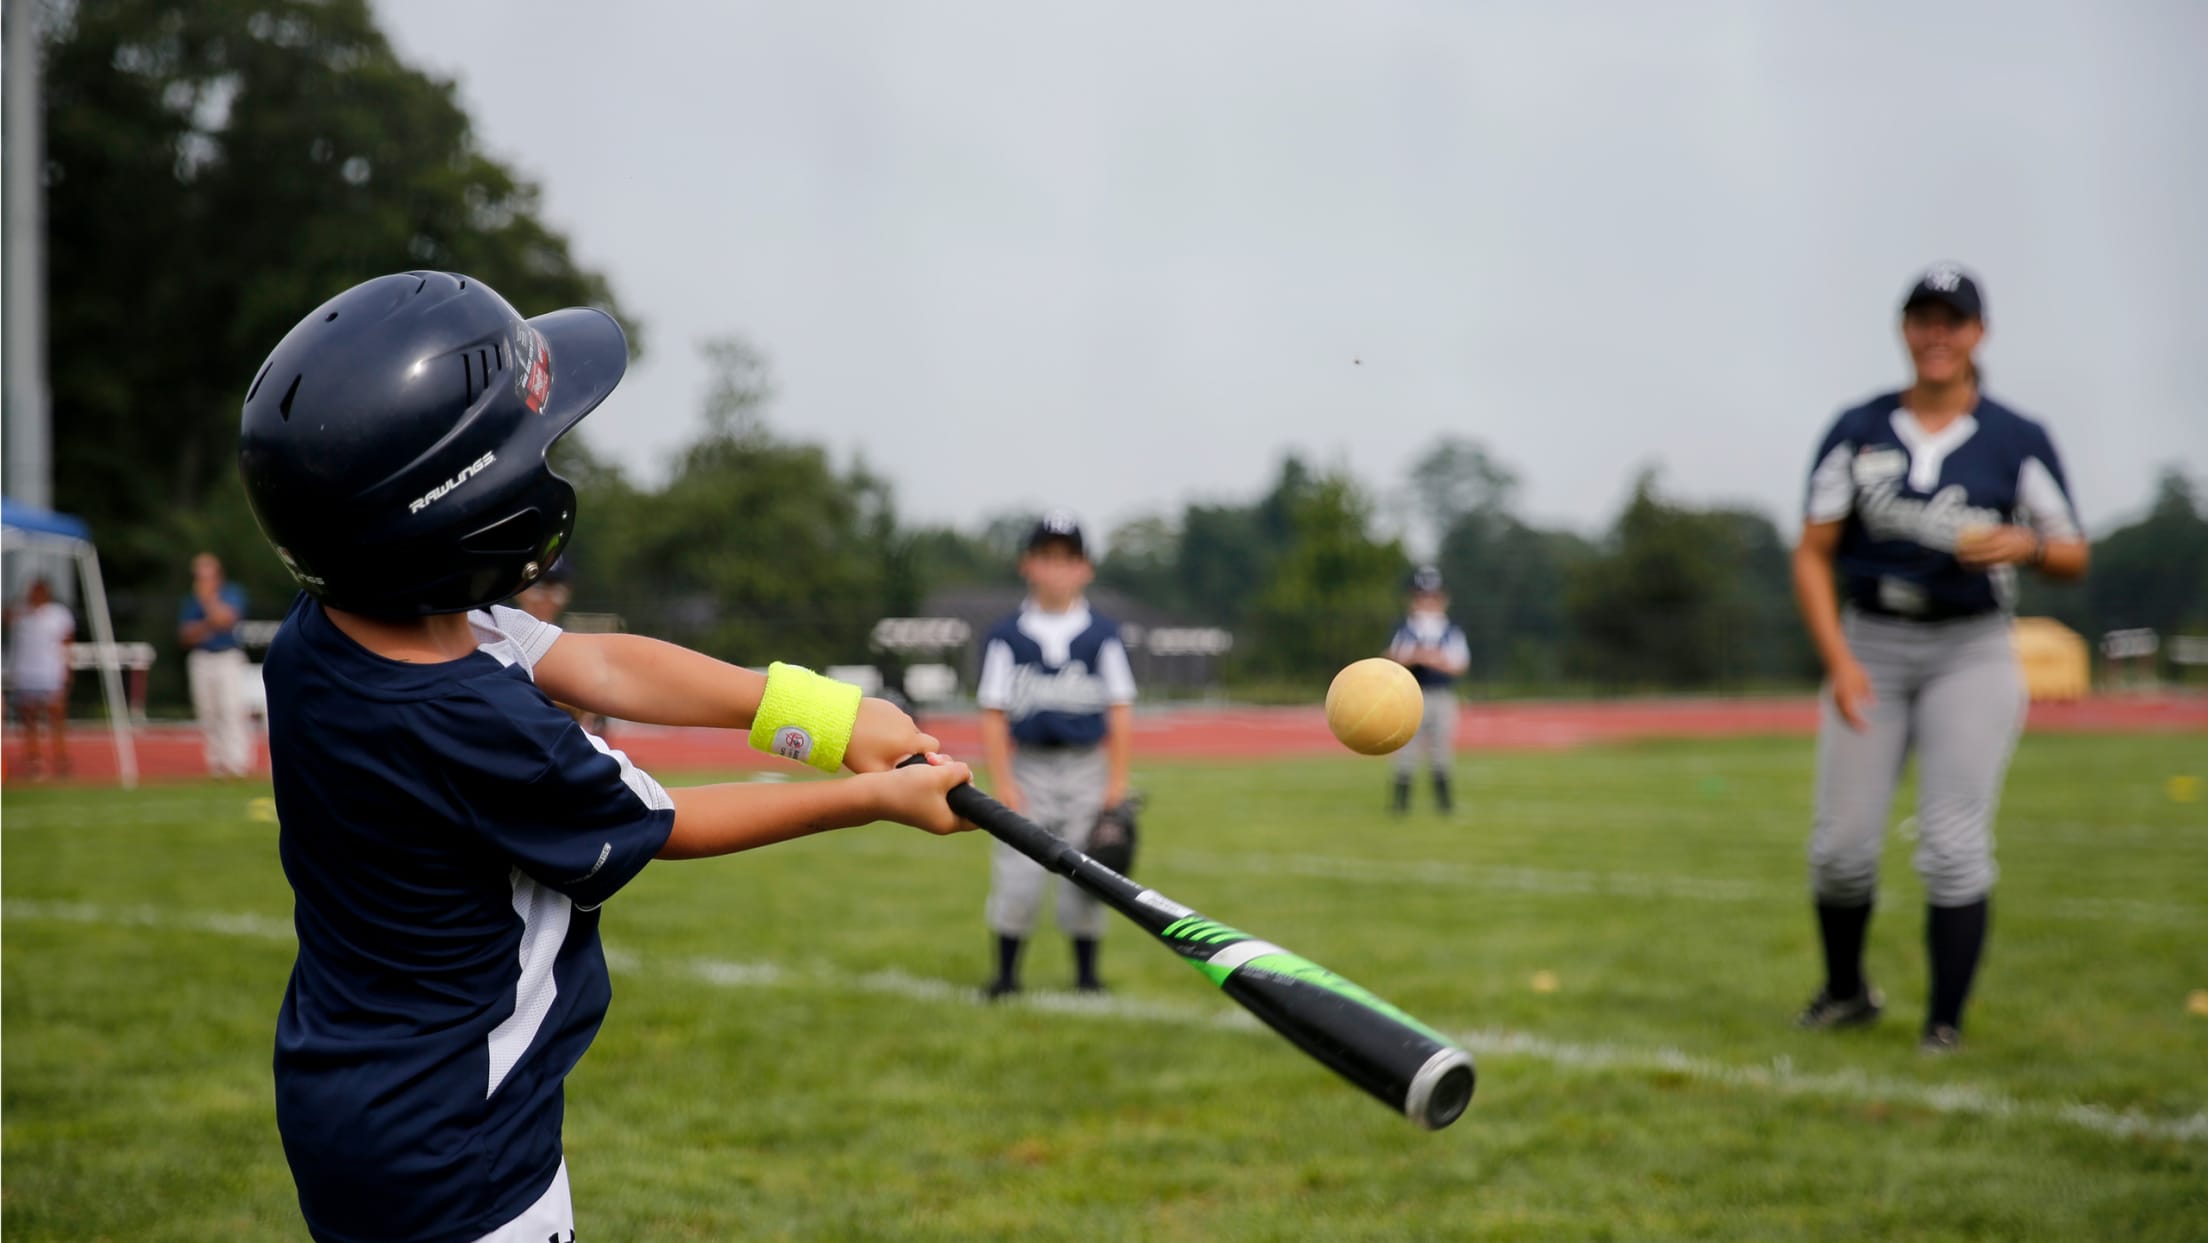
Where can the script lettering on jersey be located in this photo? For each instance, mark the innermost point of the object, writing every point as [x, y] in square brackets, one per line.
[1934, 523]
[1071, 689]
[470, 471]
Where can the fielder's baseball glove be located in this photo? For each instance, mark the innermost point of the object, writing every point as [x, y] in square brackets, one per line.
[1112, 841]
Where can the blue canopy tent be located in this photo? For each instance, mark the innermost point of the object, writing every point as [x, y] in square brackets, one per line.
[33, 531]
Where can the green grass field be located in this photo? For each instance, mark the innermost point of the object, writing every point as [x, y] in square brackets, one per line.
[794, 1053]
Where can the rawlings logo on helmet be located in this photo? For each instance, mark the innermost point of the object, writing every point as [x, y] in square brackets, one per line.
[470, 471]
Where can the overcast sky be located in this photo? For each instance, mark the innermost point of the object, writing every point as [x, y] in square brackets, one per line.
[1119, 256]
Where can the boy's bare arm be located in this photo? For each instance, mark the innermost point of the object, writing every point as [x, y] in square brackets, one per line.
[632, 678]
[724, 819]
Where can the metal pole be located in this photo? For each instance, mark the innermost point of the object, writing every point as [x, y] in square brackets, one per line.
[111, 673]
[27, 413]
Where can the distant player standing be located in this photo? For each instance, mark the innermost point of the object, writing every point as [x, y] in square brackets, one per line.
[1056, 695]
[1926, 501]
[1433, 648]
[449, 834]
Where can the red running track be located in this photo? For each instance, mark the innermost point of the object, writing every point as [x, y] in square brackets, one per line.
[172, 752]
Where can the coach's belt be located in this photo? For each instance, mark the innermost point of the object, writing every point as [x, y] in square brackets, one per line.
[1934, 614]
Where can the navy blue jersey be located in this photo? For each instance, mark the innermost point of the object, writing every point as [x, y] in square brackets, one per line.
[449, 835]
[1430, 630]
[1053, 675]
[1905, 496]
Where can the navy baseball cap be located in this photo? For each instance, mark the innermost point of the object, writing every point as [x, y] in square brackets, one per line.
[1947, 284]
[1426, 578]
[1057, 527]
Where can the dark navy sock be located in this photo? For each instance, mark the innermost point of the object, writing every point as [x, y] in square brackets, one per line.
[1955, 937]
[1843, 929]
[1008, 960]
[1084, 962]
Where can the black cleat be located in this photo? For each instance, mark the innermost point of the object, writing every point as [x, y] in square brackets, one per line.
[1939, 1040]
[1092, 987]
[998, 990]
[1828, 1013]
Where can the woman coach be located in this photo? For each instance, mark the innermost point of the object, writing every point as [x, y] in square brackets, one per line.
[1926, 502]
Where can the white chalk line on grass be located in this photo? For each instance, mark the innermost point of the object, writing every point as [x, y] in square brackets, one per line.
[1777, 1078]
[260, 927]
[1524, 816]
[1564, 882]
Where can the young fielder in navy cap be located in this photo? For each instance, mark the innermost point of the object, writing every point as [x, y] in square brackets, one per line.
[1056, 693]
[1927, 502]
[449, 833]
[1433, 648]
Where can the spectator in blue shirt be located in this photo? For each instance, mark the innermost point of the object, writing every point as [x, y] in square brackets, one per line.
[207, 628]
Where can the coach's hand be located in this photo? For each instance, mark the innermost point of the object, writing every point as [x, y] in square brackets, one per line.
[1851, 694]
[882, 736]
[1985, 547]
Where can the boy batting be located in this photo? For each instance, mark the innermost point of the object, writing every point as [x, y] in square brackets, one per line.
[449, 834]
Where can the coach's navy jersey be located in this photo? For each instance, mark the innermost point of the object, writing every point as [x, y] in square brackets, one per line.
[1053, 675]
[449, 835]
[1431, 630]
[1905, 496]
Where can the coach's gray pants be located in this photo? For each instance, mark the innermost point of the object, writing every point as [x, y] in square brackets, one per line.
[218, 699]
[1436, 738]
[1063, 791]
[1954, 692]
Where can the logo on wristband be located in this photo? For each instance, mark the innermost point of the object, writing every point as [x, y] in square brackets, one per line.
[793, 742]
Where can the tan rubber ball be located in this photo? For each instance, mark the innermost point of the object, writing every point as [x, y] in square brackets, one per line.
[1374, 706]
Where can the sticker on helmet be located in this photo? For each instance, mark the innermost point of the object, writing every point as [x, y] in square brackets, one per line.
[533, 378]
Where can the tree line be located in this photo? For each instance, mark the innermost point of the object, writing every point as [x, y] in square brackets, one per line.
[215, 167]
[758, 543]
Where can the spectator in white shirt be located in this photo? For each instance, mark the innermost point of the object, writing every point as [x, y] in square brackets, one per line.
[39, 633]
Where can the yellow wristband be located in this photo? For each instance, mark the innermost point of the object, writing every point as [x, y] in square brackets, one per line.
[805, 717]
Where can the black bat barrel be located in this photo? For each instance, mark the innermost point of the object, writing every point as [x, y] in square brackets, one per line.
[1429, 1081]
[1399, 1060]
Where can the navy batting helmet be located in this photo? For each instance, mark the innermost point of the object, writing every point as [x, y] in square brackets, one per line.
[393, 444]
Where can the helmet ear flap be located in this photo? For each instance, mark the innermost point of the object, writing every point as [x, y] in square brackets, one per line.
[517, 534]
[534, 534]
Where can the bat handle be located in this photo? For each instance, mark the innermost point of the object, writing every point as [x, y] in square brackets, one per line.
[1002, 822]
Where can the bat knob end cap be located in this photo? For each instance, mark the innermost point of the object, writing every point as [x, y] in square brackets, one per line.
[1441, 1090]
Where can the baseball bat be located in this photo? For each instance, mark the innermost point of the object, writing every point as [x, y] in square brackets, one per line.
[1408, 1066]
